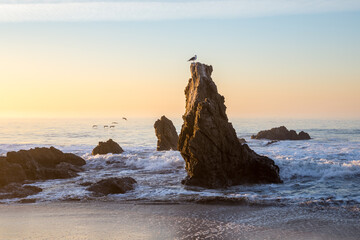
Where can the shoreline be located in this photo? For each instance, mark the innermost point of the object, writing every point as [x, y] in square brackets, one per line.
[111, 220]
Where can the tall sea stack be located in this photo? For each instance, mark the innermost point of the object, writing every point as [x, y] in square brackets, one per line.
[213, 155]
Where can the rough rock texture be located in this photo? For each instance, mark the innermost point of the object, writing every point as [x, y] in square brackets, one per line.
[281, 133]
[16, 190]
[113, 185]
[242, 140]
[10, 172]
[166, 133]
[213, 155]
[38, 164]
[107, 147]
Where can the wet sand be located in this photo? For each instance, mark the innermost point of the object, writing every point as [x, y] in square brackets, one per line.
[104, 220]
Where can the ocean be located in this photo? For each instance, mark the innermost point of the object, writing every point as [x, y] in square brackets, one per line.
[323, 171]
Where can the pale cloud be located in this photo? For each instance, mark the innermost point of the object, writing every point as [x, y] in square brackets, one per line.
[82, 10]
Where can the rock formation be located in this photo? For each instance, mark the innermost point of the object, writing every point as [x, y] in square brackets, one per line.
[166, 133]
[107, 147]
[16, 190]
[242, 140]
[213, 155]
[38, 164]
[10, 172]
[281, 133]
[113, 185]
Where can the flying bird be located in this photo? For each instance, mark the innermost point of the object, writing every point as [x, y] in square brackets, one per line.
[193, 59]
[124, 118]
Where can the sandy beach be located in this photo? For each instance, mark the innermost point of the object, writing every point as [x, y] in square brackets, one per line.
[104, 220]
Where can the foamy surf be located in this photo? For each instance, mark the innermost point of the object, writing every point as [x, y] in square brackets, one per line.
[321, 171]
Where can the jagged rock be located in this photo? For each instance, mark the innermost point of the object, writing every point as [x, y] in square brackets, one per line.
[16, 190]
[242, 140]
[113, 185]
[281, 133]
[107, 147]
[166, 133]
[303, 135]
[38, 164]
[213, 155]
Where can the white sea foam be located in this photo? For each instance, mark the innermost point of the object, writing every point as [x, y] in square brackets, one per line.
[149, 160]
[157, 161]
[319, 160]
[323, 170]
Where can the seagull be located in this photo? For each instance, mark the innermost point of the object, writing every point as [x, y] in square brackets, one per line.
[193, 59]
[124, 118]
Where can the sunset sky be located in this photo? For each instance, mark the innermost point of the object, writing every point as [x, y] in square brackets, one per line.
[275, 58]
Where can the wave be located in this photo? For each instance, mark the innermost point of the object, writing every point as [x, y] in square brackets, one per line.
[319, 160]
[315, 172]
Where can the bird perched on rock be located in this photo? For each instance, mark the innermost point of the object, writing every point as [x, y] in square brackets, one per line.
[193, 59]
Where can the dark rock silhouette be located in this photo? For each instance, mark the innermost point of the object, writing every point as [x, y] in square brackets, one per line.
[271, 142]
[38, 164]
[16, 190]
[213, 155]
[113, 185]
[166, 133]
[281, 133]
[107, 147]
[303, 135]
[242, 140]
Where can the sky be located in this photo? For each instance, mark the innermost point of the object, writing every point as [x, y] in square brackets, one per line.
[271, 58]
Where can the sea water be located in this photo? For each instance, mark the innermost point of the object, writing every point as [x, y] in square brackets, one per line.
[322, 171]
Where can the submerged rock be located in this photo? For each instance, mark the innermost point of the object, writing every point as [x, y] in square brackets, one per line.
[38, 164]
[107, 147]
[281, 133]
[213, 155]
[16, 190]
[271, 142]
[113, 185]
[166, 133]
